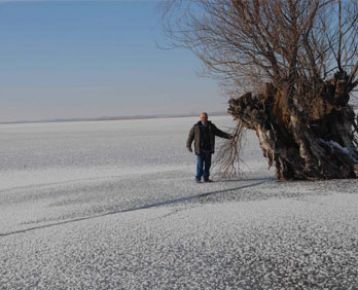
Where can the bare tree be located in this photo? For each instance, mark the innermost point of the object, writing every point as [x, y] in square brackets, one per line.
[297, 60]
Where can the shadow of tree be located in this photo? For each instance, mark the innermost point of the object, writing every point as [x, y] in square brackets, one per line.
[148, 206]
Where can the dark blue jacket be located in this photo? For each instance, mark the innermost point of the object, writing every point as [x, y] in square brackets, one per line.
[195, 135]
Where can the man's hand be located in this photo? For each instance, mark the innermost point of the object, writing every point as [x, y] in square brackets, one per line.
[189, 149]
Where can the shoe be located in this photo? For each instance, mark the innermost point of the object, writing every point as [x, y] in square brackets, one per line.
[197, 180]
[208, 180]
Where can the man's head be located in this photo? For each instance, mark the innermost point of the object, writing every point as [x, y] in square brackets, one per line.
[203, 117]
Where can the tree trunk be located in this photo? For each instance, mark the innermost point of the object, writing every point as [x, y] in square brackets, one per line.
[303, 136]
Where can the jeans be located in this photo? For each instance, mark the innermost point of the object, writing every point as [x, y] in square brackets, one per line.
[203, 163]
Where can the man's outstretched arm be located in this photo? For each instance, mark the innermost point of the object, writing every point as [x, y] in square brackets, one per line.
[190, 139]
[222, 134]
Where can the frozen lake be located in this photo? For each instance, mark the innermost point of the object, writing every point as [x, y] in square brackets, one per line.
[113, 205]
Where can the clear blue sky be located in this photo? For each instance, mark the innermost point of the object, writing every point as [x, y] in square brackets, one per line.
[75, 59]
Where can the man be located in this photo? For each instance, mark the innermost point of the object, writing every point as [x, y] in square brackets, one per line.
[203, 134]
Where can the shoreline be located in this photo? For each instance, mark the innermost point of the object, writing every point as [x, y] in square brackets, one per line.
[119, 118]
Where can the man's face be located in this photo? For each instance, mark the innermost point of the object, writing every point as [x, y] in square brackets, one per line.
[203, 118]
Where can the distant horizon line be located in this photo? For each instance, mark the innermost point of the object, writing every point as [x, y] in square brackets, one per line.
[114, 118]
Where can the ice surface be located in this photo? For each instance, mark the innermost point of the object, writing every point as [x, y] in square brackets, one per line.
[113, 205]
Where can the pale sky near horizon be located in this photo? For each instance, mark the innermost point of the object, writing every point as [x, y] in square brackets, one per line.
[83, 59]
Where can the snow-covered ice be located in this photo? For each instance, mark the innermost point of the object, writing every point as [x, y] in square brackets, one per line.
[113, 205]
